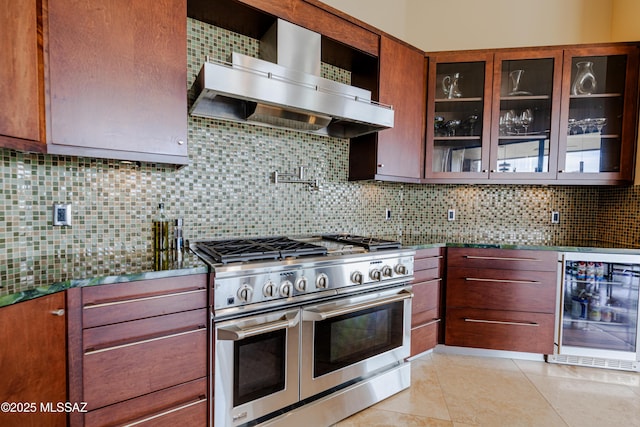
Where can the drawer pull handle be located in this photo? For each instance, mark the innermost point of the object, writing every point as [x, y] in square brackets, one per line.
[116, 347]
[439, 279]
[431, 322]
[162, 414]
[58, 312]
[500, 322]
[522, 282]
[499, 258]
[107, 304]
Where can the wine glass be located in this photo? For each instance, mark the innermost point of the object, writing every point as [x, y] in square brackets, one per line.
[526, 117]
[509, 117]
[451, 127]
[585, 124]
[572, 127]
[438, 124]
[600, 122]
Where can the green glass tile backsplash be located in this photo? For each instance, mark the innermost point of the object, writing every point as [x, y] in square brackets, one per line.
[227, 190]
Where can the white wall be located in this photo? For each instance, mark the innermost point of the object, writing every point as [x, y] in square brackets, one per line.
[433, 25]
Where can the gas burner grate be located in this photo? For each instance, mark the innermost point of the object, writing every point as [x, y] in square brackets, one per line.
[258, 249]
[370, 243]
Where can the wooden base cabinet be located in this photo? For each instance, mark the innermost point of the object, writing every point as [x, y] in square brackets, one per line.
[33, 362]
[140, 352]
[501, 299]
[426, 319]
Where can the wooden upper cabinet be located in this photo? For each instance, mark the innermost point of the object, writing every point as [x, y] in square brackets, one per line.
[402, 85]
[21, 84]
[540, 129]
[33, 361]
[117, 79]
[525, 114]
[395, 154]
[458, 115]
[598, 121]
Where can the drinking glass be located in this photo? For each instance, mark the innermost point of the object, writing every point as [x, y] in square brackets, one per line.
[600, 122]
[451, 126]
[585, 124]
[509, 117]
[526, 117]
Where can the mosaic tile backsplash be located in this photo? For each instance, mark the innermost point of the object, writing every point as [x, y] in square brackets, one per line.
[227, 191]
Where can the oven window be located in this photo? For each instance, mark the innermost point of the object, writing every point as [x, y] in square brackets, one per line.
[344, 340]
[259, 366]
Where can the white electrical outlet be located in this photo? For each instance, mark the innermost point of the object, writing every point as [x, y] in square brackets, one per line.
[62, 215]
[555, 217]
[451, 215]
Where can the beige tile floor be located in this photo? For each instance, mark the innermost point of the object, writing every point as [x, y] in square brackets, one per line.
[460, 391]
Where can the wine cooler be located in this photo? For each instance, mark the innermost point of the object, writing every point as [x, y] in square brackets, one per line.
[597, 320]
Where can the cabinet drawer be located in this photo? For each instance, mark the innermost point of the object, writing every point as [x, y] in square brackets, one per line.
[429, 253]
[500, 330]
[502, 289]
[427, 263]
[123, 371]
[113, 303]
[428, 258]
[184, 405]
[426, 275]
[424, 337]
[428, 316]
[138, 330]
[509, 259]
[426, 296]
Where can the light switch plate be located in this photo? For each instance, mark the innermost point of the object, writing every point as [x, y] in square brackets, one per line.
[555, 217]
[62, 214]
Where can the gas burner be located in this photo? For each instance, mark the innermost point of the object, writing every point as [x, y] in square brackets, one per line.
[370, 243]
[258, 249]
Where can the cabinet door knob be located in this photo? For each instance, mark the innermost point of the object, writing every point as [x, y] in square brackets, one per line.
[561, 171]
[380, 165]
[493, 171]
[485, 170]
[58, 312]
[180, 142]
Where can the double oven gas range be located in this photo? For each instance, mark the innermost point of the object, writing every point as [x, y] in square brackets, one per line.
[306, 331]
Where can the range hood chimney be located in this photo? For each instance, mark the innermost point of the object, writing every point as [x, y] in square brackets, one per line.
[284, 89]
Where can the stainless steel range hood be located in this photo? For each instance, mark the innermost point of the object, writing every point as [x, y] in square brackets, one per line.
[288, 94]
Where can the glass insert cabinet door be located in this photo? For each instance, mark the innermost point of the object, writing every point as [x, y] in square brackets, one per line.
[596, 131]
[458, 115]
[600, 306]
[525, 114]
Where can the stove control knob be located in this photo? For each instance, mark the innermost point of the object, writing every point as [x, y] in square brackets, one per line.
[357, 277]
[301, 284]
[269, 289]
[322, 281]
[245, 293]
[401, 269]
[375, 274]
[387, 271]
[286, 289]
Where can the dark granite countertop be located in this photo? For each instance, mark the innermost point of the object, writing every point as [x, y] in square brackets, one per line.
[98, 269]
[427, 242]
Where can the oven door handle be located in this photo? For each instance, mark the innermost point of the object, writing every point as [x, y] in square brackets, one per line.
[316, 315]
[235, 333]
